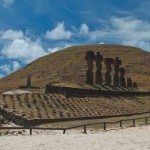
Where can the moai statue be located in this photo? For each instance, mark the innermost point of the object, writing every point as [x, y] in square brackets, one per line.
[129, 82]
[28, 81]
[98, 74]
[108, 62]
[116, 63]
[89, 57]
[122, 78]
[134, 85]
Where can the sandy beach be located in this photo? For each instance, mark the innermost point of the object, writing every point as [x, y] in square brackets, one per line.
[134, 138]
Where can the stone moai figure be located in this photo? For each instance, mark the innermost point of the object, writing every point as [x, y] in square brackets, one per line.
[122, 78]
[108, 62]
[28, 81]
[134, 85]
[89, 57]
[116, 63]
[129, 82]
[98, 74]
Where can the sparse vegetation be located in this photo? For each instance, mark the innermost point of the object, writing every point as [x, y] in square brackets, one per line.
[68, 67]
[58, 106]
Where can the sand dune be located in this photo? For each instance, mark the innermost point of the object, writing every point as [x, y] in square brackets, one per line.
[135, 138]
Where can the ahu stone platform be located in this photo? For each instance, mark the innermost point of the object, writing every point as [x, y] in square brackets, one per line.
[36, 108]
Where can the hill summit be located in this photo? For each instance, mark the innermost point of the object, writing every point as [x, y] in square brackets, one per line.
[68, 67]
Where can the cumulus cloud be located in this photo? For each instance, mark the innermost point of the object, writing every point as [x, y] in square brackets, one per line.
[84, 29]
[11, 67]
[18, 46]
[11, 34]
[7, 3]
[15, 65]
[128, 31]
[59, 33]
[52, 50]
[6, 68]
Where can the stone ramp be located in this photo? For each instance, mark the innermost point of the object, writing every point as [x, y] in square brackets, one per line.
[57, 107]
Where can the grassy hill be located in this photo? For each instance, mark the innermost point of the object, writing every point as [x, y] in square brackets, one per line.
[68, 67]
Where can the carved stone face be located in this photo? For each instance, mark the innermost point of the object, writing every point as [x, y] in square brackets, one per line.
[117, 61]
[89, 55]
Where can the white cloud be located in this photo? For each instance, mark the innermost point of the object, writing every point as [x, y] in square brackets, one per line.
[101, 43]
[11, 67]
[131, 28]
[18, 46]
[84, 29]
[1, 76]
[59, 33]
[23, 50]
[7, 3]
[11, 34]
[128, 31]
[54, 49]
[6, 68]
[15, 65]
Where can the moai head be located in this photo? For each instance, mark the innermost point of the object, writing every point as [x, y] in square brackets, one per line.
[90, 57]
[117, 61]
[98, 57]
[108, 62]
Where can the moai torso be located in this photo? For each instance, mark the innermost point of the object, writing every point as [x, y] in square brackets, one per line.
[135, 85]
[98, 60]
[98, 73]
[122, 78]
[116, 63]
[108, 62]
[89, 57]
[28, 81]
[129, 82]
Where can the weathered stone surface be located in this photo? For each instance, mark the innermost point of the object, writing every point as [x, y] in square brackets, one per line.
[89, 77]
[98, 77]
[129, 82]
[116, 63]
[122, 78]
[89, 57]
[28, 81]
[98, 73]
[108, 62]
[135, 85]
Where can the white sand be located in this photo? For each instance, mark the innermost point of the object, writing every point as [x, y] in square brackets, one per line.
[135, 138]
[17, 92]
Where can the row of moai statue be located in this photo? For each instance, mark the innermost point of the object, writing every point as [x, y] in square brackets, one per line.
[119, 72]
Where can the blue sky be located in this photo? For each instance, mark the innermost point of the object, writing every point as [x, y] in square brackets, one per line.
[31, 29]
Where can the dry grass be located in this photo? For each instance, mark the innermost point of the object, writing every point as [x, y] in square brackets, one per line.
[68, 67]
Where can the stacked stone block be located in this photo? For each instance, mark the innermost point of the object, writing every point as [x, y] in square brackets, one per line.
[122, 78]
[89, 57]
[116, 63]
[108, 62]
[98, 74]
